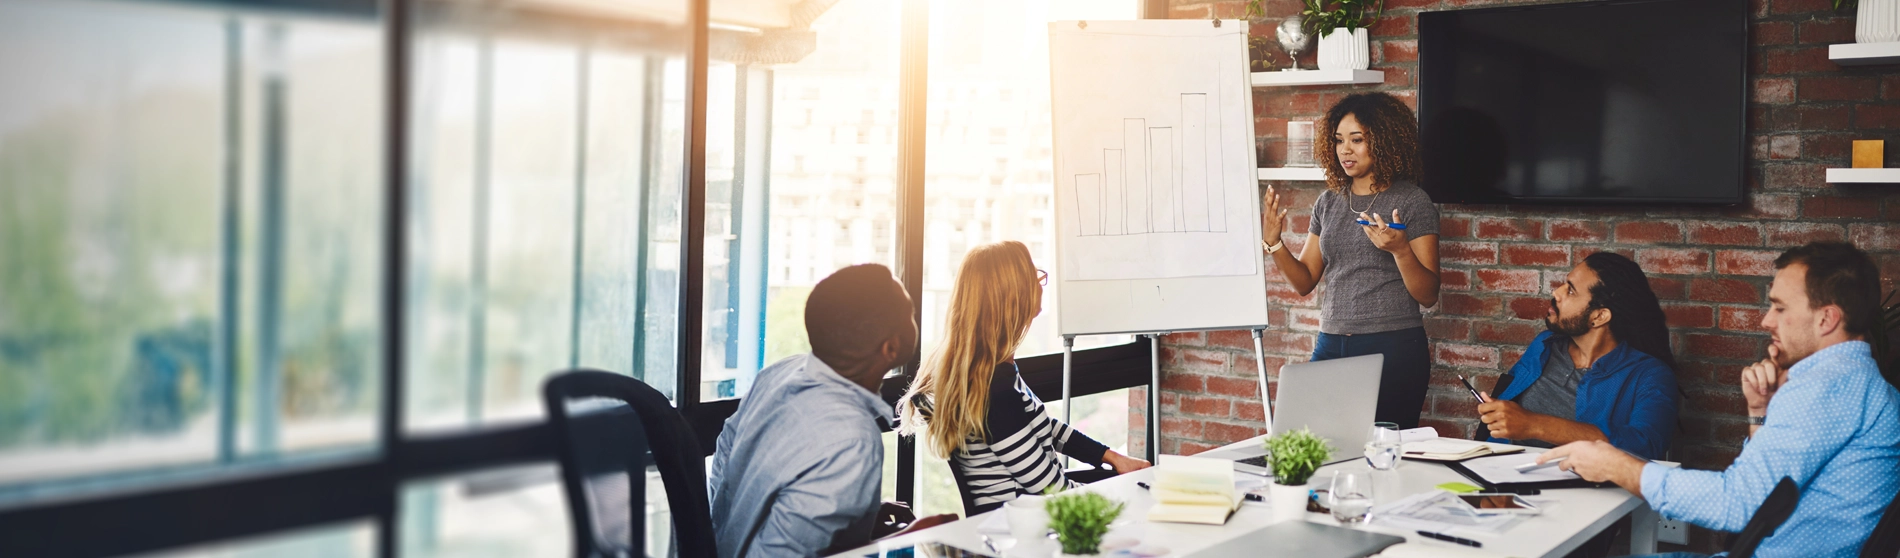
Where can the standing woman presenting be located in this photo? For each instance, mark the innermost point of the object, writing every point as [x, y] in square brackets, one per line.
[1379, 273]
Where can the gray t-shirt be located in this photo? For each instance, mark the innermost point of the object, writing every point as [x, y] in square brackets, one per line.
[1555, 392]
[1364, 291]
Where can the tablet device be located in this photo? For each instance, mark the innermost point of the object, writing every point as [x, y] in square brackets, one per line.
[1499, 503]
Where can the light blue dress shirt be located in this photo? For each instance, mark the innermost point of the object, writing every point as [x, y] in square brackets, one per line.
[1835, 429]
[799, 465]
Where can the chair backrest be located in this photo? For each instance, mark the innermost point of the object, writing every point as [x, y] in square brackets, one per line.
[610, 428]
[1773, 512]
[1885, 541]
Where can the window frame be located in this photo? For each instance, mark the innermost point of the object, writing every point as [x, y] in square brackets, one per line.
[233, 502]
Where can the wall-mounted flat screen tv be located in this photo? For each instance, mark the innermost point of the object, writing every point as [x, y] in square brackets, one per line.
[1617, 102]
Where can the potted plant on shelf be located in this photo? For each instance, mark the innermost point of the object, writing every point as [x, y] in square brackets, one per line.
[1294, 457]
[1343, 40]
[1080, 520]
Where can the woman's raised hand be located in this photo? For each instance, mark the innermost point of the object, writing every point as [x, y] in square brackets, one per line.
[1272, 217]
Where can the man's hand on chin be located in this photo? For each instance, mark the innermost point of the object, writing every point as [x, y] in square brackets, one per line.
[1599, 461]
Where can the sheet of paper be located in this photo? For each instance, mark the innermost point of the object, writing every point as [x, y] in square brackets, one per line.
[1441, 512]
[1503, 469]
[1419, 434]
[1206, 475]
[1440, 445]
[1154, 137]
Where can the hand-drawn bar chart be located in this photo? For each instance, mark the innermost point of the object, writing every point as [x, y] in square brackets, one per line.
[1158, 179]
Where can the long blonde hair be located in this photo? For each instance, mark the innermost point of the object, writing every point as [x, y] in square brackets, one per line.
[995, 297]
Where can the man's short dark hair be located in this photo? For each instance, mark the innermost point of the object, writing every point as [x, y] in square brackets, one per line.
[1841, 275]
[853, 311]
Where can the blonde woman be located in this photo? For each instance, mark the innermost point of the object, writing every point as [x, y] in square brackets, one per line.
[970, 403]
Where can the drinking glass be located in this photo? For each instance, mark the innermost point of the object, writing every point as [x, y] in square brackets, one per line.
[1383, 446]
[1351, 495]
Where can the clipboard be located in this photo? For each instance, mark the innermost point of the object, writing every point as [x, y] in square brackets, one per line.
[1524, 488]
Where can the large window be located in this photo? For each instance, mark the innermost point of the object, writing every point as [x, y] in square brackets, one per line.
[189, 241]
[544, 213]
[989, 178]
[262, 295]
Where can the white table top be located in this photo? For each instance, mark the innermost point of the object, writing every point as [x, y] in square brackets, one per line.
[1574, 517]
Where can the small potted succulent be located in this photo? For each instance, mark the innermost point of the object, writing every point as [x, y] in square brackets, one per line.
[1080, 520]
[1294, 457]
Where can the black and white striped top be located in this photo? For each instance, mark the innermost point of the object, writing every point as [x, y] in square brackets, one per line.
[1020, 455]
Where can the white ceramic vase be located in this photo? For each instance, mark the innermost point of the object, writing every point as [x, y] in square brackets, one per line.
[1877, 21]
[1345, 49]
[1289, 502]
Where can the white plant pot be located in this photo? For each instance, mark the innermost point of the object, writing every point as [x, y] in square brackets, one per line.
[1345, 49]
[1877, 21]
[1289, 502]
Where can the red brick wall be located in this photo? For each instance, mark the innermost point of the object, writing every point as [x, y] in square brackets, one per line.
[1711, 266]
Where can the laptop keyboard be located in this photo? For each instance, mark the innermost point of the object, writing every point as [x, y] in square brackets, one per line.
[1257, 461]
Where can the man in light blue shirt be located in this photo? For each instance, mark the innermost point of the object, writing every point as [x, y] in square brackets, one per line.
[1820, 414]
[799, 465]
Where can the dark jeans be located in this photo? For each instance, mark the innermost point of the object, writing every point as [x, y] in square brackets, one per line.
[1408, 368]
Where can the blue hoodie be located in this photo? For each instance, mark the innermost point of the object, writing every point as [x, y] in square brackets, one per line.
[1629, 395]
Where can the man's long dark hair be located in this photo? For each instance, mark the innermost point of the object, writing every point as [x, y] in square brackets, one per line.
[1636, 317]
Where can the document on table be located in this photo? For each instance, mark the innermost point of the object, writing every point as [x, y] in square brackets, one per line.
[1502, 469]
[1442, 512]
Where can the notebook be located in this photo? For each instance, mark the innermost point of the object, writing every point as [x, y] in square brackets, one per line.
[1446, 450]
[1194, 490]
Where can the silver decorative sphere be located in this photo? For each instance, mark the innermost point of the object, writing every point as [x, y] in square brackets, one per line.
[1293, 38]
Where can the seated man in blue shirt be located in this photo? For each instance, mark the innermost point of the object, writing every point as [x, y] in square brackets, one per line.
[1820, 414]
[1602, 371]
[799, 465]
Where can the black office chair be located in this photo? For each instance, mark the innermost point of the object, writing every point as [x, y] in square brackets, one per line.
[611, 427]
[1885, 541]
[1773, 512]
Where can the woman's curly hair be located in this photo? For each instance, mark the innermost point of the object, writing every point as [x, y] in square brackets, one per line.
[1391, 136]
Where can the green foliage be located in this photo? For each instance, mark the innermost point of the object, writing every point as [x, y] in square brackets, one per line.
[1843, 4]
[1294, 456]
[1350, 14]
[1080, 519]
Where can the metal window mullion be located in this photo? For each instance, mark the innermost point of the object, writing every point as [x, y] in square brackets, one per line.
[912, 87]
[474, 392]
[268, 367]
[583, 82]
[693, 212]
[396, 65]
[230, 275]
[653, 103]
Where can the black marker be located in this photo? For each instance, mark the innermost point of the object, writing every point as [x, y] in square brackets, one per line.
[1452, 539]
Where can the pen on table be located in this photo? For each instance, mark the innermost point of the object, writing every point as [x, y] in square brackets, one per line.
[1472, 389]
[1251, 497]
[1394, 226]
[1452, 539]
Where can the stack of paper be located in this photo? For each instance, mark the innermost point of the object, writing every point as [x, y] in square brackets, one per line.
[1445, 449]
[1194, 490]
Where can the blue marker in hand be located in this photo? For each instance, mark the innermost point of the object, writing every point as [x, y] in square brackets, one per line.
[1395, 226]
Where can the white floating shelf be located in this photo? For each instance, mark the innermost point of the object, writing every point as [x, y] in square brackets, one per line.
[1297, 173]
[1857, 54]
[1278, 78]
[1863, 176]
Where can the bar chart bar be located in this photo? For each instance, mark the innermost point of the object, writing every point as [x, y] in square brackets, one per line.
[1195, 211]
[1088, 201]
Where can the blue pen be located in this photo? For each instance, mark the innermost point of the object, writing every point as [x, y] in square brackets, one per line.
[1394, 226]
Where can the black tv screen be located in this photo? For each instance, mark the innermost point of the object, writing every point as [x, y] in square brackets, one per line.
[1620, 102]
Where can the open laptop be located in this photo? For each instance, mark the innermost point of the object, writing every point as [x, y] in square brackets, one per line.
[1336, 399]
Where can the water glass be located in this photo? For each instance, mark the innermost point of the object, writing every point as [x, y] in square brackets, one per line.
[1351, 496]
[1383, 446]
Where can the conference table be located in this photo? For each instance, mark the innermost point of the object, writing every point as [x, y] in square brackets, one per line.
[1570, 517]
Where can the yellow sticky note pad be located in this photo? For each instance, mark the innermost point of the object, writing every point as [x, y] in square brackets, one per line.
[1457, 488]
